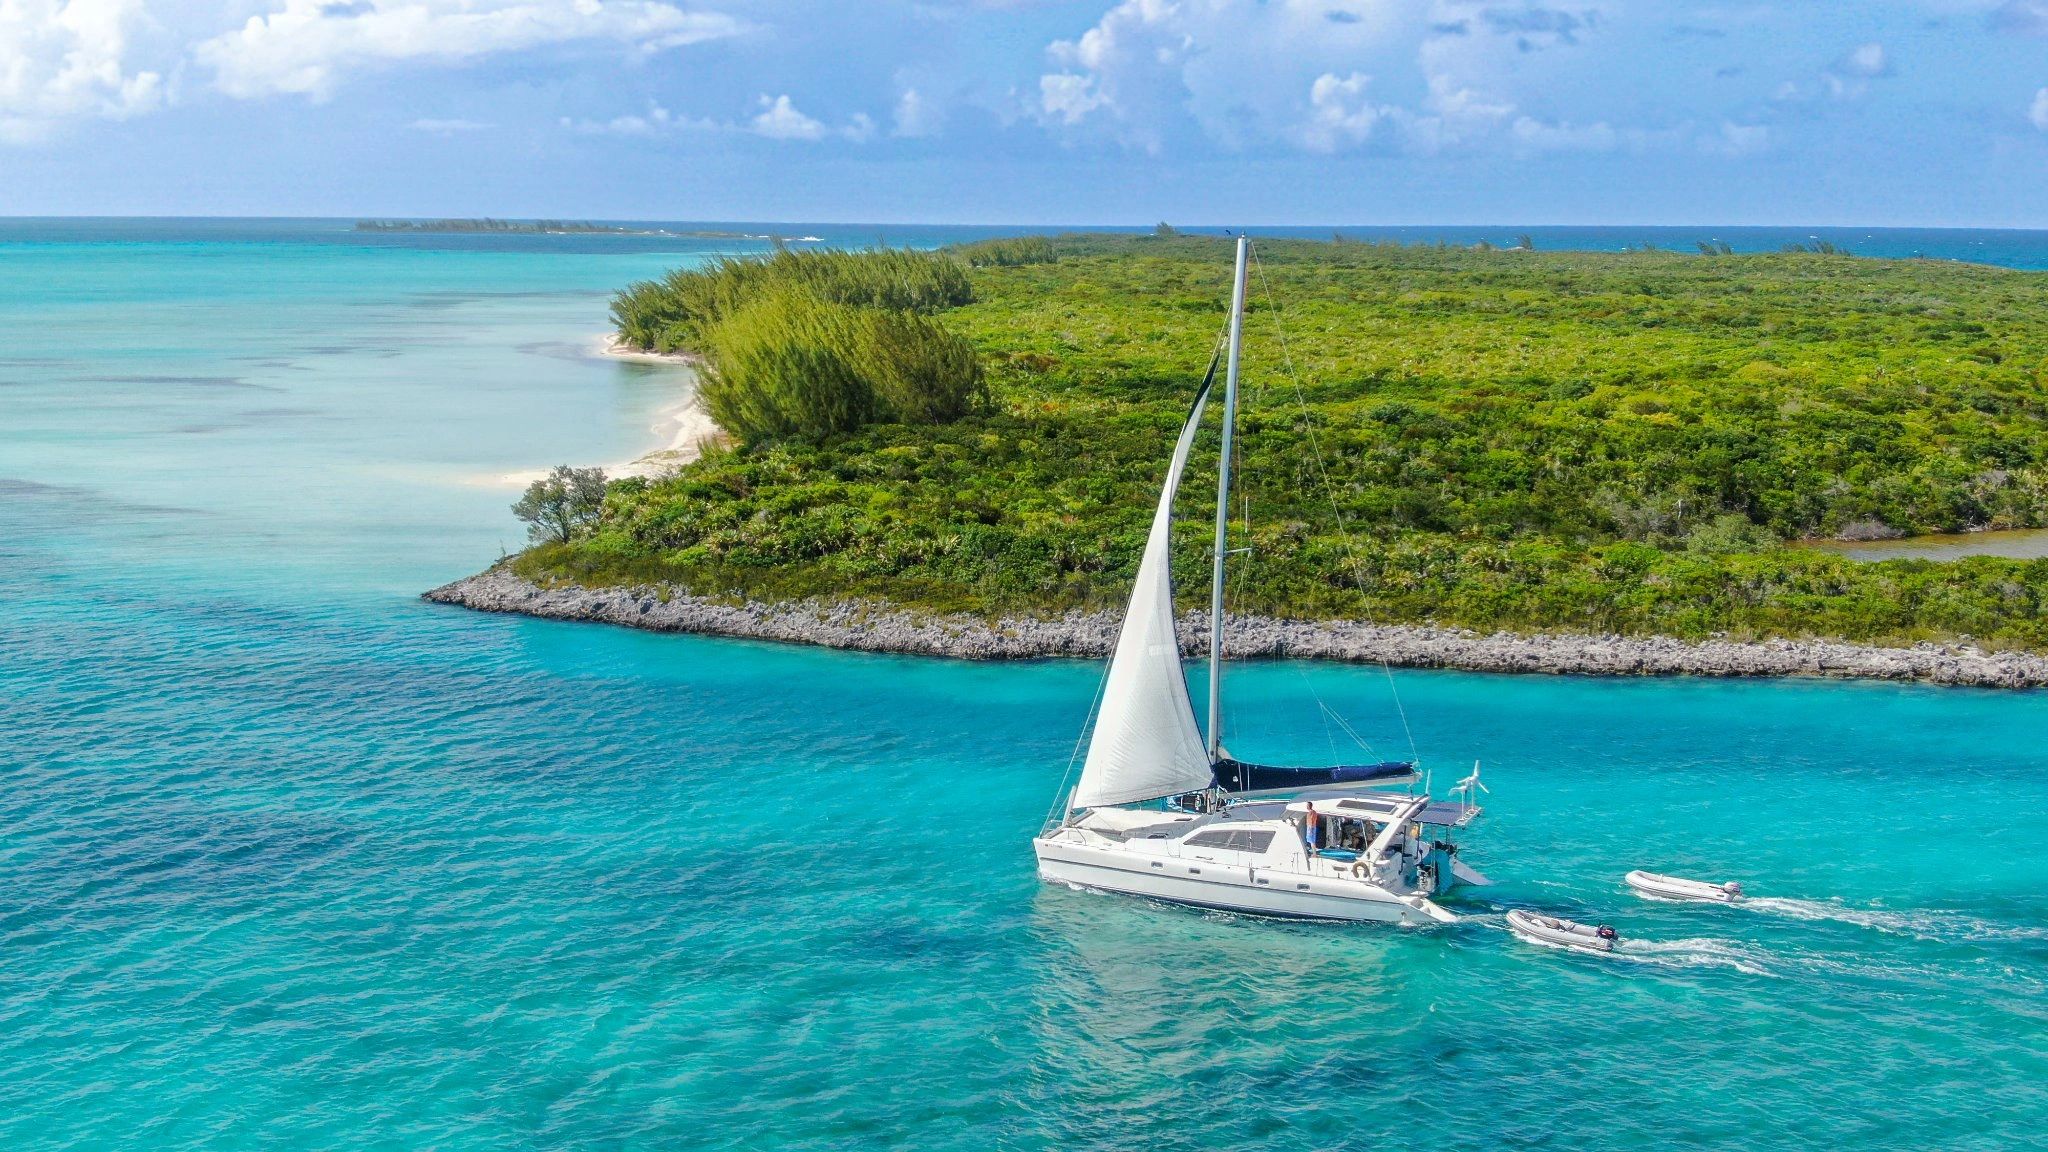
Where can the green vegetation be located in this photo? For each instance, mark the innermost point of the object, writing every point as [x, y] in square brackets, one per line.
[1576, 441]
[563, 505]
[1007, 253]
[678, 311]
[806, 345]
[791, 366]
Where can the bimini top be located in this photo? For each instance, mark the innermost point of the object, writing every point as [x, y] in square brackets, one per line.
[1366, 807]
[1382, 807]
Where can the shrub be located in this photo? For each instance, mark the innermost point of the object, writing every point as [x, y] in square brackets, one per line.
[678, 311]
[784, 366]
[920, 373]
[1009, 253]
[793, 366]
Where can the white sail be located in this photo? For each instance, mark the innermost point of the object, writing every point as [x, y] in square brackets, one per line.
[1146, 744]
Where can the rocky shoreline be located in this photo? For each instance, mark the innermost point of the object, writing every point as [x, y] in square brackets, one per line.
[873, 628]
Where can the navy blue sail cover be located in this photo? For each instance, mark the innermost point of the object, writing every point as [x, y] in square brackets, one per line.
[1237, 776]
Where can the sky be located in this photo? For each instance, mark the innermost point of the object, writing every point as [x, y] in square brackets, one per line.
[1209, 112]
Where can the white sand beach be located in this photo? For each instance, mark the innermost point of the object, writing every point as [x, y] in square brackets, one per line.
[681, 428]
[611, 347]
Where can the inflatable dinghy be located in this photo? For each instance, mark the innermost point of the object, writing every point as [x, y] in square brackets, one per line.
[1537, 928]
[1655, 887]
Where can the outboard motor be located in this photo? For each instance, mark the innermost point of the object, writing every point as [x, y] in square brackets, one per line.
[1607, 932]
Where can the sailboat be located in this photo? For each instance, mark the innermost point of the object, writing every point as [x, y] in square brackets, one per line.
[1161, 810]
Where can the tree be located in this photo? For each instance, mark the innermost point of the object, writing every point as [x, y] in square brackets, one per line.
[561, 505]
[790, 366]
[920, 373]
[785, 367]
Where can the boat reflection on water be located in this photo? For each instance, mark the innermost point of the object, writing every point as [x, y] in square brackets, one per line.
[1142, 1006]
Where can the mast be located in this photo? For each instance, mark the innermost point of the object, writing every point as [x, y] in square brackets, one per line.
[1223, 506]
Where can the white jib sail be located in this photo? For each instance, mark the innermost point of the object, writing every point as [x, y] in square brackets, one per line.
[1146, 744]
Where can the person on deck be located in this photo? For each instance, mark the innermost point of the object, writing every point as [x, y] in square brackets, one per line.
[1361, 868]
[1309, 828]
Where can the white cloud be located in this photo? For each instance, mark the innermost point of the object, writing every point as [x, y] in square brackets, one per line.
[2026, 17]
[1068, 97]
[780, 120]
[1737, 139]
[1850, 76]
[1532, 135]
[1239, 72]
[1340, 112]
[657, 119]
[915, 116]
[1527, 77]
[448, 127]
[1246, 74]
[1452, 115]
[2039, 112]
[1865, 60]
[60, 61]
[1339, 116]
[308, 45]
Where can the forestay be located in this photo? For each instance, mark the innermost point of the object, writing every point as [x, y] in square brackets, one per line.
[1146, 744]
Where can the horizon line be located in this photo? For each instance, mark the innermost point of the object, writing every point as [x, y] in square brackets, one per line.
[1082, 225]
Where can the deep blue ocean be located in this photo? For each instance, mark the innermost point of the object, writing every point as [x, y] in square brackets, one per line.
[291, 859]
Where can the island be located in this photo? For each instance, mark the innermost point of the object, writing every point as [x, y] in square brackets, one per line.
[1491, 458]
[487, 225]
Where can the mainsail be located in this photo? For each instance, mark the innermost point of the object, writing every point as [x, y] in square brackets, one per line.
[1146, 744]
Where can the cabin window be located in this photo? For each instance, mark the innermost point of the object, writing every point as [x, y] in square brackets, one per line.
[1212, 840]
[1256, 841]
[1357, 835]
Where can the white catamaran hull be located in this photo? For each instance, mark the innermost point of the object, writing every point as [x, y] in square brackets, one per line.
[1252, 890]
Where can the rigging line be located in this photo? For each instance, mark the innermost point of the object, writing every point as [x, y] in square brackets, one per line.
[1330, 714]
[1323, 710]
[1361, 741]
[1329, 489]
[1080, 739]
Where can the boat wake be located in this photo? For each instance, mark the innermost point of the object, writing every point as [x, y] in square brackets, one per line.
[1703, 952]
[1931, 924]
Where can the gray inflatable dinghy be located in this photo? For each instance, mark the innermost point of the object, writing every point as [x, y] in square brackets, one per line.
[1554, 932]
[1655, 887]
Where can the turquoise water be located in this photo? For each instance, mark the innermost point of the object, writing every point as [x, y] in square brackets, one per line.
[291, 859]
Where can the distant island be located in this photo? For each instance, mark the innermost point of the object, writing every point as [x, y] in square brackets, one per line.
[538, 227]
[1612, 456]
